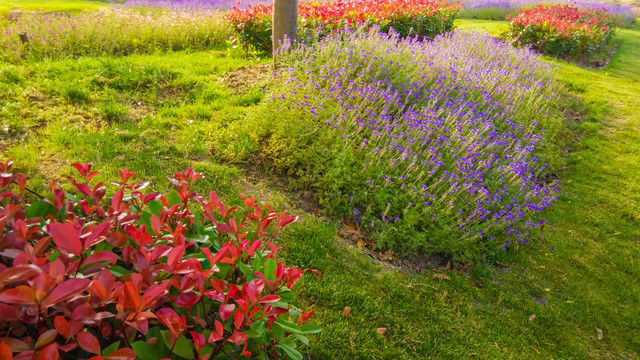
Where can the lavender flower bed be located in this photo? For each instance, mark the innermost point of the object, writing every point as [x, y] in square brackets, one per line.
[432, 147]
[510, 6]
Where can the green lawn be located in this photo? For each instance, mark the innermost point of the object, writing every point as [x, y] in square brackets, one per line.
[157, 114]
[10, 6]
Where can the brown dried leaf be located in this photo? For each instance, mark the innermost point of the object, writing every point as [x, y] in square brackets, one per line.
[346, 312]
[316, 273]
[381, 331]
[599, 334]
[350, 229]
[387, 256]
[532, 317]
[440, 276]
[360, 244]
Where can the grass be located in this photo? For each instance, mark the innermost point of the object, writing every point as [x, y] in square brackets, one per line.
[73, 6]
[157, 114]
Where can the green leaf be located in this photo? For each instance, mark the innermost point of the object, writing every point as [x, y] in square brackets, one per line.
[289, 351]
[286, 296]
[41, 209]
[278, 331]
[118, 271]
[257, 330]
[174, 198]
[295, 329]
[155, 207]
[72, 197]
[310, 329]
[302, 339]
[270, 269]
[111, 348]
[183, 347]
[201, 239]
[244, 269]
[258, 260]
[145, 351]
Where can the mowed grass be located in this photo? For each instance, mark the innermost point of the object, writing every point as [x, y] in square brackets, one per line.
[157, 114]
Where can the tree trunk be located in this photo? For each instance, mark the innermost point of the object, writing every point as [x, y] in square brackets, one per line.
[285, 22]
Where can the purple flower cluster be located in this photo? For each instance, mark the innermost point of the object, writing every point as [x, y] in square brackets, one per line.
[623, 11]
[196, 4]
[447, 133]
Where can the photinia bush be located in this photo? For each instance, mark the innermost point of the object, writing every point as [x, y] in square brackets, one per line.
[425, 18]
[563, 30]
[142, 276]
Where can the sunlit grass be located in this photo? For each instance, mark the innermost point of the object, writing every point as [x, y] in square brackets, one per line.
[74, 6]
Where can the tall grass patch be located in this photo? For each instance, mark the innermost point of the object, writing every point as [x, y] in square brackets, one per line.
[111, 31]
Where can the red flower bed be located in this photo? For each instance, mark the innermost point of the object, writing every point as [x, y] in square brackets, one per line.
[144, 276]
[563, 30]
[425, 18]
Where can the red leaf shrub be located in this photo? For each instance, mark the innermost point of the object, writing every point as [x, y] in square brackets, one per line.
[142, 276]
[563, 30]
[425, 18]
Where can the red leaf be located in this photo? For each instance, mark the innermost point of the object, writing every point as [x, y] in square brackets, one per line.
[66, 237]
[66, 291]
[88, 342]
[97, 232]
[220, 255]
[151, 295]
[176, 255]
[83, 313]
[238, 317]
[18, 273]
[116, 201]
[98, 193]
[101, 256]
[50, 353]
[287, 220]
[20, 295]
[214, 337]
[141, 185]
[122, 354]
[83, 189]
[267, 299]
[5, 352]
[156, 225]
[187, 299]
[238, 337]
[82, 169]
[132, 296]
[62, 326]
[125, 174]
[219, 327]
[226, 310]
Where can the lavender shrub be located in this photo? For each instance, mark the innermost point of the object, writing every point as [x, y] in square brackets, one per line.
[431, 146]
